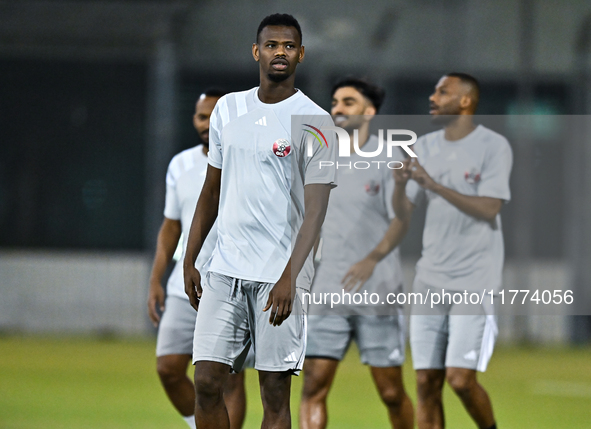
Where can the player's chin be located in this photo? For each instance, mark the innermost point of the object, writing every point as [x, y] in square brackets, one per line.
[278, 76]
[443, 120]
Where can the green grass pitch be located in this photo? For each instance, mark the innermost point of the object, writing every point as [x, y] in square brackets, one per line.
[72, 383]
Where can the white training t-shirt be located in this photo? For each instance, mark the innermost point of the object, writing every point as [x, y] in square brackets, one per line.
[184, 180]
[358, 216]
[461, 252]
[264, 171]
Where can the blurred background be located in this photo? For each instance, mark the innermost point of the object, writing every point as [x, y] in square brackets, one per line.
[97, 96]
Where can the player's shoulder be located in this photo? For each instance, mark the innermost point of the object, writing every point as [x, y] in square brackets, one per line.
[428, 144]
[232, 105]
[493, 140]
[183, 162]
[306, 106]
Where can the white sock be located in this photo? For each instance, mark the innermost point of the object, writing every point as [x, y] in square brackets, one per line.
[190, 421]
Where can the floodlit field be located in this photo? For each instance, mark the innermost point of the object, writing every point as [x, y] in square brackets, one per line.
[77, 383]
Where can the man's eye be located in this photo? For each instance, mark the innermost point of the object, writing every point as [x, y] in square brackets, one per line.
[290, 46]
[270, 45]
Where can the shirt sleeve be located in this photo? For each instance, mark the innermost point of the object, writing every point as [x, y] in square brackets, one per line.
[214, 158]
[321, 166]
[494, 181]
[172, 206]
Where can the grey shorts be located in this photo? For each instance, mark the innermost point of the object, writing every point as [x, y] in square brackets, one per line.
[380, 339]
[443, 339]
[231, 321]
[177, 325]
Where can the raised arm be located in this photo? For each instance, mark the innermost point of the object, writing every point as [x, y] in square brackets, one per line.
[206, 213]
[482, 208]
[403, 208]
[281, 296]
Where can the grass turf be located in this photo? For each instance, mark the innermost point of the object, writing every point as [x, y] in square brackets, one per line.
[69, 383]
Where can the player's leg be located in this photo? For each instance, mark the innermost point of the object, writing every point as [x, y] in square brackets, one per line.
[275, 395]
[381, 343]
[318, 377]
[428, 342]
[173, 350]
[328, 340]
[210, 409]
[221, 335]
[471, 343]
[235, 399]
[391, 389]
[172, 370]
[279, 352]
[475, 399]
[429, 398]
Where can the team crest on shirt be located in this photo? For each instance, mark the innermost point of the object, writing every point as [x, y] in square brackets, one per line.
[372, 188]
[472, 177]
[281, 148]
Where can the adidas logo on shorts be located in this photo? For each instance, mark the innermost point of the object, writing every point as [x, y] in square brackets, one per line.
[291, 358]
[470, 355]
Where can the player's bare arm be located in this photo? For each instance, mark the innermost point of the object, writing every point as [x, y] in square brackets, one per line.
[482, 208]
[403, 208]
[206, 213]
[360, 272]
[168, 238]
[281, 296]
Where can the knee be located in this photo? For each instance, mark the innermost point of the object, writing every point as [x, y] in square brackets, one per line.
[208, 386]
[314, 388]
[392, 396]
[461, 382]
[169, 373]
[275, 392]
[429, 383]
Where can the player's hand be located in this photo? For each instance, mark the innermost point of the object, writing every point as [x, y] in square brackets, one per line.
[358, 274]
[401, 175]
[192, 285]
[419, 175]
[155, 302]
[280, 302]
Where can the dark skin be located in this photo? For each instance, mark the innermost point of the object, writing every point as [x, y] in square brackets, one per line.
[278, 52]
[455, 98]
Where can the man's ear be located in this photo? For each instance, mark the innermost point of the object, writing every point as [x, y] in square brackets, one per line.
[255, 52]
[301, 57]
[465, 102]
[370, 110]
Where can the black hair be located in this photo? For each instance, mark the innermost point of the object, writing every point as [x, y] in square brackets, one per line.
[282, 19]
[469, 80]
[213, 92]
[372, 92]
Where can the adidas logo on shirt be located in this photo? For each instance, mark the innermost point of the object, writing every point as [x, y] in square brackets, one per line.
[291, 358]
[262, 121]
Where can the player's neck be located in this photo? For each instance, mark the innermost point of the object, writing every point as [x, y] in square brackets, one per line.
[459, 128]
[363, 136]
[205, 149]
[274, 92]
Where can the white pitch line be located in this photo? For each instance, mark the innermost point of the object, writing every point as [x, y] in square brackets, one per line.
[572, 389]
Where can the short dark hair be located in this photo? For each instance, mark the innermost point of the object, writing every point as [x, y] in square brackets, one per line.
[214, 92]
[372, 92]
[468, 80]
[283, 19]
